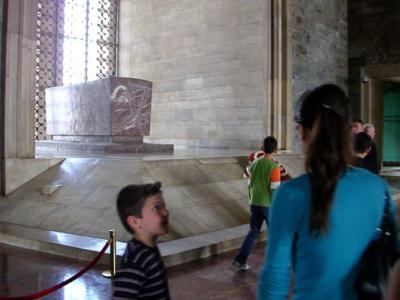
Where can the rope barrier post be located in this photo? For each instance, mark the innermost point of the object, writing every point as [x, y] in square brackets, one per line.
[113, 256]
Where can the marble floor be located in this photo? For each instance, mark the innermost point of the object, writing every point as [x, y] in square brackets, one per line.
[24, 272]
[202, 195]
[204, 190]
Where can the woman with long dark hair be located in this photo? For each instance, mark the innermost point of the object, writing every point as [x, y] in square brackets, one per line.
[321, 222]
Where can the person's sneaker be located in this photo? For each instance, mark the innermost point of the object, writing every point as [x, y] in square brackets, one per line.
[242, 267]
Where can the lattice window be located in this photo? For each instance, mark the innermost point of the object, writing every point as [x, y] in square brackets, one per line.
[76, 42]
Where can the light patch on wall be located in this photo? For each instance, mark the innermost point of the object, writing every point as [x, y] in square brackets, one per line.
[193, 83]
[211, 134]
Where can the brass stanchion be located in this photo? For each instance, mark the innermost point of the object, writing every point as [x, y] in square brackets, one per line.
[113, 256]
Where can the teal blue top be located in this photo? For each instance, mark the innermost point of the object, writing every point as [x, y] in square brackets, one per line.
[324, 267]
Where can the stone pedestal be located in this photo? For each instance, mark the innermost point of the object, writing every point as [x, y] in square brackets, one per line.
[107, 115]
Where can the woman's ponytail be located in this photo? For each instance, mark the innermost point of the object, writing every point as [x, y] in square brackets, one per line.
[327, 157]
[324, 117]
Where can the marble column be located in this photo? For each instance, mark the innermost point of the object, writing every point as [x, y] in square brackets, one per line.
[20, 164]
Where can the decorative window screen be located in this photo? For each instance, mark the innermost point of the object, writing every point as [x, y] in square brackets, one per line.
[76, 42]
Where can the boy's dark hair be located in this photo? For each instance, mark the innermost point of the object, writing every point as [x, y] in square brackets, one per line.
[362, 141]
[131, 199]
[270, 145]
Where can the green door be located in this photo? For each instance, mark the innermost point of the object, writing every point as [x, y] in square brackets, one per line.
[391, 125]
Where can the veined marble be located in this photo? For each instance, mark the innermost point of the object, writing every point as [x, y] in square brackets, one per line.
[107, 107]
[130, 107]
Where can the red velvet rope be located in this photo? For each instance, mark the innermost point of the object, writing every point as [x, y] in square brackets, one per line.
[60, 285]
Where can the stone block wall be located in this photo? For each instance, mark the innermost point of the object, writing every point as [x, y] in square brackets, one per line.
[319, 45]
[374, 27]
[207, 62]
[319, 32]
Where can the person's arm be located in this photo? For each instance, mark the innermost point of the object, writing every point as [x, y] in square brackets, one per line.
[284, 173]
[128, 282]
[284, 221]
[247, 169]
[275, 178]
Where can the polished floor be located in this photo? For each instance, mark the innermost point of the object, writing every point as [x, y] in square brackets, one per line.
[24, 272]
[203, 194]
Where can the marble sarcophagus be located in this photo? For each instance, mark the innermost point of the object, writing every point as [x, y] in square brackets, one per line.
[101, 115]
[102, 108]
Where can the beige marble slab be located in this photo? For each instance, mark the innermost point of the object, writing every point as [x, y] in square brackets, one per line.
[71, 219]
[85, 248]
[20, 171]
[28, 212]
[175, 198]
[202, 194]
[103, 197]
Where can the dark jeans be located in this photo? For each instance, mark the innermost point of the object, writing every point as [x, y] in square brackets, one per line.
[257, 216]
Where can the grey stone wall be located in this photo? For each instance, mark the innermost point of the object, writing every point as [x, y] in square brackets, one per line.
[374, 28]
[206, 60]
[319, 45]
[319, 32]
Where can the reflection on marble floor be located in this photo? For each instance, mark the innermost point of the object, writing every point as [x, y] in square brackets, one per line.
[24, 273]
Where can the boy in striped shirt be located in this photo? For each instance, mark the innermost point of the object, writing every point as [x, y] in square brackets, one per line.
[264, 178]
[142, 211]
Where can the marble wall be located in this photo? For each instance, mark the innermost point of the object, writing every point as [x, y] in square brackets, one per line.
[208, 64]
[106, 107]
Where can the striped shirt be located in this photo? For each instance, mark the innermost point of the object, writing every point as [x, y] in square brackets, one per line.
[141, 274]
